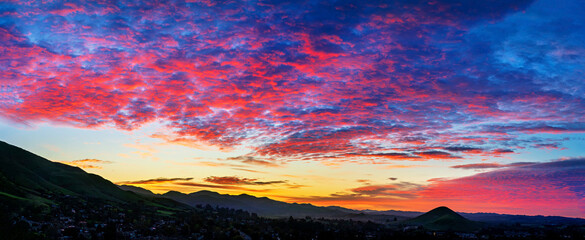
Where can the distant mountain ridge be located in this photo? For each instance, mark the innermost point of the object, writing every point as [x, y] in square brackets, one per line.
[495, 218]
[267, 207]
[137, 190]
[272, 208]
[262, 206]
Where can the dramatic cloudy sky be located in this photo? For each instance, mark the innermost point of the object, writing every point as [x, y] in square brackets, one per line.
[477, 105]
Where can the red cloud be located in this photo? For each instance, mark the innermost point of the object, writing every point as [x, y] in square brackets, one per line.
[156, 181]
[229, 180]
[239, 181]
[365, 85]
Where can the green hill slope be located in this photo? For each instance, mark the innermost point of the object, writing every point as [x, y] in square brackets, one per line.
[23, 174]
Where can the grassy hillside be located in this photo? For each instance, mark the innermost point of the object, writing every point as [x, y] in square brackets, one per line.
[28, 179]
[23, 173]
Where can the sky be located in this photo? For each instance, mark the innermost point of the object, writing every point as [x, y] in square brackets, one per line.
[404, 105]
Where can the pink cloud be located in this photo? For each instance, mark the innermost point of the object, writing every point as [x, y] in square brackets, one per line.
[377, 85]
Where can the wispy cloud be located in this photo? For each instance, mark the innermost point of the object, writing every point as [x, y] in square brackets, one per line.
[401, 190]
[254, 161]
[232, 180]
[491, 165]
[226, 187]
[86, 163]
[231, 183]
[156, 181]
[248, 170]
[371, 194]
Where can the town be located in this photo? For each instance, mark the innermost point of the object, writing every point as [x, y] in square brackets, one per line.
[78, 218]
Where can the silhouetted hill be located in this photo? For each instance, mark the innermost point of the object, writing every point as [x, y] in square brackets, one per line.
[266, 207]
[262, 206]
[444, 219]
[23, 173]
[28, 179]
[137, 190]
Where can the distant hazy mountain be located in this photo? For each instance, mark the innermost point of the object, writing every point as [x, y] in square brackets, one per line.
[137, 190]
[444, 219]
[266, 207]
[406, 214]
[262, 206]
[494, 218]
